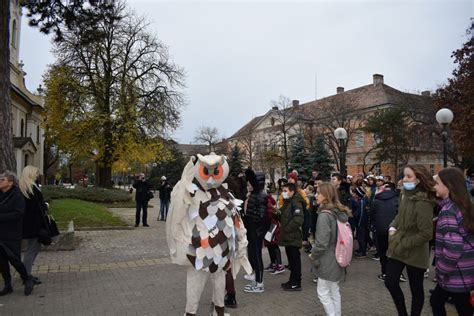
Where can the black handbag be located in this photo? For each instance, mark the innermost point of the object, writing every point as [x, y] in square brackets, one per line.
[150, 195]
[53, 227]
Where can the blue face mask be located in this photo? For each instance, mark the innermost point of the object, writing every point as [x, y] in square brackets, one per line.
[409, 186]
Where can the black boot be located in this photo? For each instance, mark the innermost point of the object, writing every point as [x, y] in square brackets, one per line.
[29, 285]
[36, 280]
[230, 301]
[7, 289]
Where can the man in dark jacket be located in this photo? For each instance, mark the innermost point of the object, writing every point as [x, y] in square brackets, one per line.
[382, 211]
[142, 197]
[291, 238]
[12, 207]
[254, 220]
[342, 189]
[165, 196]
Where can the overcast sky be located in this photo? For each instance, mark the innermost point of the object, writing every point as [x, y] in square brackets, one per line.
[239, 56]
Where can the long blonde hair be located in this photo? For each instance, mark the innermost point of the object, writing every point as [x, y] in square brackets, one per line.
[329, 191]
[27, 180]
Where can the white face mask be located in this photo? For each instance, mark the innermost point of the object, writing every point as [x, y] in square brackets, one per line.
[285, 195]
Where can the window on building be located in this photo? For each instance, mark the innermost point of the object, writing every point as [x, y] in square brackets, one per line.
[432, 170]
[22, 126]
[359, 138]
[14, 33]
[26, 160]
[37, 134]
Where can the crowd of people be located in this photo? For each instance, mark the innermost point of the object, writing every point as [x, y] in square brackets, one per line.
[402, 222]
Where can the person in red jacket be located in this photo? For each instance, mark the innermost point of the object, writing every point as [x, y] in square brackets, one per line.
[272, 239]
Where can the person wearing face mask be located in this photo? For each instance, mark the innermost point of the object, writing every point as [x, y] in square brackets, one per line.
[409, 236]
[292, 216]
[454, 248]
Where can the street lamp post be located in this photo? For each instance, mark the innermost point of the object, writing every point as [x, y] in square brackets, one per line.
[444, 117]
[341, 136]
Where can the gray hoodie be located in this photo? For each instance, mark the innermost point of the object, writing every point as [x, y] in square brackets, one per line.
[324, 248]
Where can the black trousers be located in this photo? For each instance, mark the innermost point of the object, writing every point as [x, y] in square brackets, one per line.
[275, 254]
[141, 205]
[294, 260]
[362, 237]
[314, 220]
[415, 278]
[461, 301]
[382, 246]
[254, 249]
[14, 257]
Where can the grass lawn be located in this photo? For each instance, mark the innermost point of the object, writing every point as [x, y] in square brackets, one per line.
[84, 214]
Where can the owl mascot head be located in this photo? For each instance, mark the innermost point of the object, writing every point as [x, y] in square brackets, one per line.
[204, 229]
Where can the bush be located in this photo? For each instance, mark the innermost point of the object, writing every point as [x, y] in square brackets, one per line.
[99, 195]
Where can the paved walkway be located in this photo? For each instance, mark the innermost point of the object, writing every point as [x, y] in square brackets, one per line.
[127, 272]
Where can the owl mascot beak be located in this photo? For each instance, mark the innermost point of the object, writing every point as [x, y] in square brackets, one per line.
[211, 182]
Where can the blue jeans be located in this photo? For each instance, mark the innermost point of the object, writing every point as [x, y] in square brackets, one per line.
[164, 206]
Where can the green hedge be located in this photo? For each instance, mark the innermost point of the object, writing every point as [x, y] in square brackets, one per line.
[99, 195]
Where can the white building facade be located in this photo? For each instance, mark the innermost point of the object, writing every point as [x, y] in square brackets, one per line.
[27, 108]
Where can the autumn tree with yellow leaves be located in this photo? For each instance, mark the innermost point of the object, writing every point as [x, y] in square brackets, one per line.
[113, 98]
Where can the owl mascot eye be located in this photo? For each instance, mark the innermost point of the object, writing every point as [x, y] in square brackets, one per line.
[204, 230]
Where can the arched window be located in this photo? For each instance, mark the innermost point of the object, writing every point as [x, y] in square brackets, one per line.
[22, 126]
[14, 32]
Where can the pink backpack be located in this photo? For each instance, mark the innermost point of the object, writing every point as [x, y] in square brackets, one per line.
[344, 242]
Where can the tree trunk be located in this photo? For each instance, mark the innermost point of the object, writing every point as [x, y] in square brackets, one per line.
[104, 176]
[7, 157]
[70, 173]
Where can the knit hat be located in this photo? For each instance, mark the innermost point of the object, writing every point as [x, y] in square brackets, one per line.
[380, 178]
[360, 191]
[163, 178]
[293, 176]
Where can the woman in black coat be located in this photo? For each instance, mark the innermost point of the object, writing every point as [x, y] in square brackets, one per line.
[12, 207]
[34, 218]
[256, 225]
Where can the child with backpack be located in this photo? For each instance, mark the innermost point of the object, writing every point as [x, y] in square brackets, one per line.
[331, 254]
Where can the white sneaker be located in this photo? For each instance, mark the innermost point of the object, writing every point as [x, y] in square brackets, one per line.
[249, 277]
[257, 288]
[251, 284]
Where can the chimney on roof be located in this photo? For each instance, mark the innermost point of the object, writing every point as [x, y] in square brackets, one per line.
[339, 90]
[296, 102]
[378, 79]
[426, 93]
[275, 108]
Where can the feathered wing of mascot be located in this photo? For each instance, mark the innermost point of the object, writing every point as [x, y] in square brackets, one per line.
[204, 229]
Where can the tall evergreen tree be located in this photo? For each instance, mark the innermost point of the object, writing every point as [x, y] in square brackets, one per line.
[320, 160]
[299, 159]
[235, 162]
[171, 169]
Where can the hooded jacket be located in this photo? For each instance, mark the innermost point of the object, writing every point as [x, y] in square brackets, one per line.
[255, 206]
[414, 227]
[324, 248]
[292, 218]
[383, 210]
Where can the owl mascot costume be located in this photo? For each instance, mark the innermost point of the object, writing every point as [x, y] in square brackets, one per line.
[204, 230]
